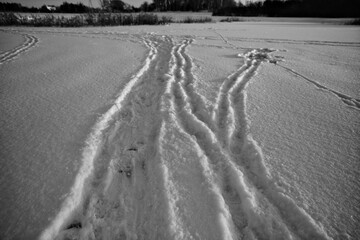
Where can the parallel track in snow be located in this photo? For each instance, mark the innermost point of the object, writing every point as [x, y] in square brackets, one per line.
[30, 41]
[159, 164]
[246, 186]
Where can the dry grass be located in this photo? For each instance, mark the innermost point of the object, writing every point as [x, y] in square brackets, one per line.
[353, 22]
[96, 19]
[80, 20]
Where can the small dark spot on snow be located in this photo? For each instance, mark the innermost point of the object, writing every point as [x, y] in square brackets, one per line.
[142, 164]
[75, 225]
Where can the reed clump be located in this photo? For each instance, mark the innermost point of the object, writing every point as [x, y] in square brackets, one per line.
[196, 20]
[82, 20]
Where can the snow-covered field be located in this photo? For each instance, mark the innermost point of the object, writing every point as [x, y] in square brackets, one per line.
[201, 131]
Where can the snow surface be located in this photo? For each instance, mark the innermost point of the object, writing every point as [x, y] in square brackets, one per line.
[10, 41]
[201, 131]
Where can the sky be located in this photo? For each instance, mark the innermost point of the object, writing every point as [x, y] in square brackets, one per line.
[39, 3]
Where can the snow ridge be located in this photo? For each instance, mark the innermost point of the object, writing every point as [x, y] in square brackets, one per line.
[175, 225]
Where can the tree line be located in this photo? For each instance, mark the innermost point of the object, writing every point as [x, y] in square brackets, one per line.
[120, 6]
[188, 5]
[65, 7]
[269, 8]
[294, 8]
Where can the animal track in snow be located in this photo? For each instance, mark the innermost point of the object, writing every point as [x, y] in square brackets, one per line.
[30, 41]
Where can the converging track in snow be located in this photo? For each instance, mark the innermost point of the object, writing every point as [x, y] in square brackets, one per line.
[160, 164]
[30, 41]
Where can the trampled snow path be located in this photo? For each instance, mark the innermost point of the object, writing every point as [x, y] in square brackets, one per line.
[30, 41]
[160, 165]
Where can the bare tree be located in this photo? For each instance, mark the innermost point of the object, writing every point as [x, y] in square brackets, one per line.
[104, 4]
[192, 5]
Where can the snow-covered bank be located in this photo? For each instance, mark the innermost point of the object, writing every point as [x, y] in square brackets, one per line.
[214, 131]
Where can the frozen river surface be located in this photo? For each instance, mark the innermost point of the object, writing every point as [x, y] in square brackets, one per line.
[209, 131]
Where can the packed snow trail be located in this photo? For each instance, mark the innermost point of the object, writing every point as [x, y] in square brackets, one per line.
[159, 164]
[92, 151]
[30, 41]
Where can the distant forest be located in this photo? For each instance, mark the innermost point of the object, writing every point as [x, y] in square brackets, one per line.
[269, 8]
[294, 8]
[63, 8]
